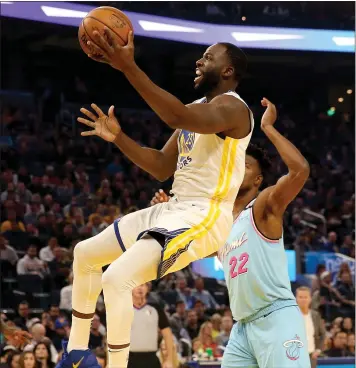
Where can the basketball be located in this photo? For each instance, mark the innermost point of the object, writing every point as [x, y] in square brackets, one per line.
[114, 19]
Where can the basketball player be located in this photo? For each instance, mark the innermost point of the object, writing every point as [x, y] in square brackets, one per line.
[270, 331]
[207, 154]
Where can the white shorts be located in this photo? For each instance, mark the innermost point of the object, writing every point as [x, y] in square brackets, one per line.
[191, 230]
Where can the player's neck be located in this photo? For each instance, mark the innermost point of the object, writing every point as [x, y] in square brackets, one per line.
[242, 200]
[304, 311]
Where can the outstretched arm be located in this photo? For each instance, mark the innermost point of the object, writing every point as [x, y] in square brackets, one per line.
[222, 114]
[288, 186]
[161, 164]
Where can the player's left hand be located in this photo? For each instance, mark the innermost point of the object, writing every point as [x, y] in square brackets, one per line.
[270, 115]
[167, 364]
[119, 57]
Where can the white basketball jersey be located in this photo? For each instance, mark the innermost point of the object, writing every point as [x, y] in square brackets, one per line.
[210, 167]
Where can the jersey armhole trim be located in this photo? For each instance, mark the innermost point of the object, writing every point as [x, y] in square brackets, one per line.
[223, 136]
[259, 232]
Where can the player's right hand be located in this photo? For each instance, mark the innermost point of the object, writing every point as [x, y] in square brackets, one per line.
[104, 126]
[159, 197]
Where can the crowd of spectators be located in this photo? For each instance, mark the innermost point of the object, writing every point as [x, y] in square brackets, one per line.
[300, 14]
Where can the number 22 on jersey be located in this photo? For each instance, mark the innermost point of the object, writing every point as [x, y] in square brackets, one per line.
[240, 263]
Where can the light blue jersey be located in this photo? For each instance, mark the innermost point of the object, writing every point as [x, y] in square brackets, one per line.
[256, 270]
[270, 331]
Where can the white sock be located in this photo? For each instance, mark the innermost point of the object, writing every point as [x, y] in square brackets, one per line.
[79, 334]
[118, 358]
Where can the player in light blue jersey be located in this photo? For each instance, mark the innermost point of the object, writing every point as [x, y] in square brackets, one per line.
[270, 331]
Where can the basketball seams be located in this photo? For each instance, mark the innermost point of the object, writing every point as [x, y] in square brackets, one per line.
[105, 25]
[115, 11]
[88, 35]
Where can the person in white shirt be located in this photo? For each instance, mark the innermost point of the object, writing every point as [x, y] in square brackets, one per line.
[7, 253]
[46, 253]
[313, 324]
[30, 264]
[66, 295]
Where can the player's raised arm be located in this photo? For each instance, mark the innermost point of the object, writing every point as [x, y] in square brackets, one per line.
[222, 113]
[161, 164]
[288, 186]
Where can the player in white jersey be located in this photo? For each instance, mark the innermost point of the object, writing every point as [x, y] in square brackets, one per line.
[207, 154]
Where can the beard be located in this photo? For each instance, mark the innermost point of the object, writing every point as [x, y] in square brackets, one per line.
[209, 81]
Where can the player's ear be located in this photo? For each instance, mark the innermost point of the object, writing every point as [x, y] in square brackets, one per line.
[258, 180]
[228, 72]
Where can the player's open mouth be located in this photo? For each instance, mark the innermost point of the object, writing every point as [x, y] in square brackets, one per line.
[199, 76]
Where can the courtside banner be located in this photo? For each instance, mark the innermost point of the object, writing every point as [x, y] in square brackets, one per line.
[70, 14]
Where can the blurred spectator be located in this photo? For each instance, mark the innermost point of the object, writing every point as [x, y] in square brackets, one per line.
[66, 295]
[351, 344]
[178, 318]
[347, 325]
[23, 317]
[28, 360]
[43, 355]
[197, 347]
[62, 329]
[10, 192]
[192, 325]
[316, 279]
[184, 293]
[30, 264]
[115, 166]
[13, 359]
[199, 293]
[23, 194]
[226, 327]
[206, 338]
[7, 253]
[199, 308]
[38, 332]
[12, 223]
[329, 297]
[347, 245]
[216, 323]
[46, 253]
[314, 326]
[346, 289]
[330, 245]
[339, 346]
[59, 268]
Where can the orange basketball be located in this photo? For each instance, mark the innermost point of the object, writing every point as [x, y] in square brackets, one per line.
[117, 22]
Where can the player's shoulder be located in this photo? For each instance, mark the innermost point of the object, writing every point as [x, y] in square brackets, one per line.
[230, 103]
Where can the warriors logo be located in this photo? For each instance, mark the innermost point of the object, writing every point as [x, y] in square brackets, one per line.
[293, 346]
[185, 144]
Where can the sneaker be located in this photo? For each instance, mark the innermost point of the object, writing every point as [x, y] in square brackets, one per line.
[77, 358]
